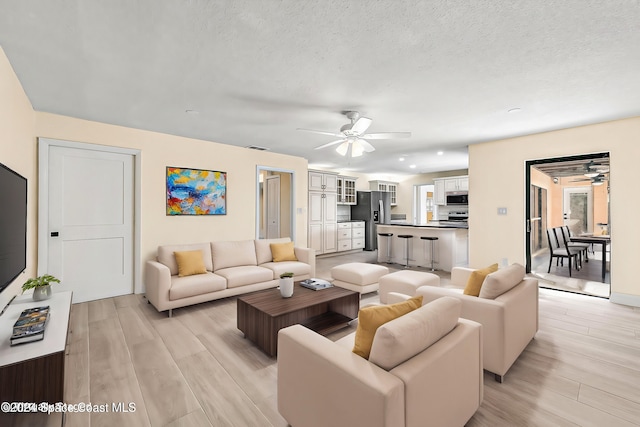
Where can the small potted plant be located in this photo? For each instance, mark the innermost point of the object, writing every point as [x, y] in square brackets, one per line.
[41, 286]
[286, 285]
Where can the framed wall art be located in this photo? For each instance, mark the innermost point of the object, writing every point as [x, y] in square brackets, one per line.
[196, 192]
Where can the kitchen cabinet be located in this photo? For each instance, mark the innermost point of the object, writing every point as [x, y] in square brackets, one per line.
[323, 181]
[391, 187]
[346, 190]
[456, 184]
[438, 193]
[323, 212]
[447, 185]
[350, 235]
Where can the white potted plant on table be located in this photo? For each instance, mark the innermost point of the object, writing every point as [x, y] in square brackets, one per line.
[286, 285]
[41, 286]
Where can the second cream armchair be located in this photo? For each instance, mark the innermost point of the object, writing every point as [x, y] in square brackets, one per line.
[509, 320]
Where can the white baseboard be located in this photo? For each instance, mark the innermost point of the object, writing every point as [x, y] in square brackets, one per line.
[625, 299]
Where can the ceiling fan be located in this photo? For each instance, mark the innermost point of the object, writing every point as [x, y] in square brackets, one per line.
[353, 139]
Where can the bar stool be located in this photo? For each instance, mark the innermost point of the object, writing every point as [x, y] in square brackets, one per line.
[388, 236]
[406, 237]
[433, 240]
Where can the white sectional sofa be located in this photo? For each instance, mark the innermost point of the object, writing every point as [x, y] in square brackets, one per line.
[232, 268]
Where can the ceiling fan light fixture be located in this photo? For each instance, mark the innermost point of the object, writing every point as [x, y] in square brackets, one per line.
[597, 183]
[591, 174]
[357, 149]
[343, 148]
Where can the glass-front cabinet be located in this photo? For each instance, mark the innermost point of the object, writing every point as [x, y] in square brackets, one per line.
[391, 187]
[346, 190]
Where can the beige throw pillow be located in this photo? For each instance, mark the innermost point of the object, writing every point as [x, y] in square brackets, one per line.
[371, 318]
[399, 340]
[496, 284]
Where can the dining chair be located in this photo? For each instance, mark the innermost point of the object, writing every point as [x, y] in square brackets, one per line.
[561, 252]
[583, 247]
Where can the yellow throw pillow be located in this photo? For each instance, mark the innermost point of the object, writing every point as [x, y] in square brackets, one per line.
[476, 279]
[371, 318]
[190, 263]
[283, 252]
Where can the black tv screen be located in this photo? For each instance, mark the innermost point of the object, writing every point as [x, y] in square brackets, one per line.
[13, 225]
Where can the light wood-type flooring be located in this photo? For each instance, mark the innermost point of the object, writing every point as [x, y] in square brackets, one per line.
[196, 369]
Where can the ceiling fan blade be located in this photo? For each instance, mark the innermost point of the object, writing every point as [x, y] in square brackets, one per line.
[366, 146]
[361, 125]
[387, 135]
[321, 132]
[329, 144]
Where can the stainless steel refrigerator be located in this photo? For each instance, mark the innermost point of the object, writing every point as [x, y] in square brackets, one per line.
[373, 207]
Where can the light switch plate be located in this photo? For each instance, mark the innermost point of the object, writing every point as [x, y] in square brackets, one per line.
[502, 211]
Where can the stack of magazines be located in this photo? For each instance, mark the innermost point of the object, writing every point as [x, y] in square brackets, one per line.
[315, 284]
[30, 325]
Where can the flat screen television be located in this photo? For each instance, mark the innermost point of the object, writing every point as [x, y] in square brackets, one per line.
[13, 225]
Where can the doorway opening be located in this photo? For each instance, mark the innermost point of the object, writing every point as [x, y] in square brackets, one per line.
[567, 199]
[274, 203]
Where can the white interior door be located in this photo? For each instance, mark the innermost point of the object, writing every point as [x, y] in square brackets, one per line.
[273, 206]
[578, 209]
[90, 215]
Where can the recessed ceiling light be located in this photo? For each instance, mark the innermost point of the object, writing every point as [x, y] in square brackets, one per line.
[192, 112]
[440, 153]
[412, 166]
[514, 110]
[401, 159]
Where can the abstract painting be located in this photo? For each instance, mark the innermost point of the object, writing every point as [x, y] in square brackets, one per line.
[196, 192]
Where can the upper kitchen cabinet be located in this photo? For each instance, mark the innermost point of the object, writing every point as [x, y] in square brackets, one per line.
[391, 187]
[346, 190]
[448, 185]
[438, 192]
[460, 183]
[323, 181]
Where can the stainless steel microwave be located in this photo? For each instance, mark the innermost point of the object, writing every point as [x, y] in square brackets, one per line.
[458, 199]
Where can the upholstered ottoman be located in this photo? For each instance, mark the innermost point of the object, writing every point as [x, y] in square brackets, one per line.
[405, 282]
[358, 276]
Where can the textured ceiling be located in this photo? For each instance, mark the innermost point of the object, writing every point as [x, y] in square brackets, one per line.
[255, 71]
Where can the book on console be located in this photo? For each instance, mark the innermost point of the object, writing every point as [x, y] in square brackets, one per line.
[30, 326]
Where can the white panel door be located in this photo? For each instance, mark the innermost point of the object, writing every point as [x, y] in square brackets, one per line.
[273, 206]
[90, 228]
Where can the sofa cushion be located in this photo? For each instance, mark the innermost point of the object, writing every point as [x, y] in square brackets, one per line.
[233, 254]
[496, 284]
[476, 278]
[283, 252]
[166, 255]
[400, 339]
[245, 275]
[183, 287]
[296, 267]
[371, 318]
[190, 263]
[263, 248]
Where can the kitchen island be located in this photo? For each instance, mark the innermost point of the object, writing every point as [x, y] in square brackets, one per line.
[451, 248]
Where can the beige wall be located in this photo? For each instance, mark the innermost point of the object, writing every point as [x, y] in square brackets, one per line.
[17, 151]
[21, 126]
[497, 179]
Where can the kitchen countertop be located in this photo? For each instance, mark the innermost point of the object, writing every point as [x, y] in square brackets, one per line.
[432, 224]
[351, 220]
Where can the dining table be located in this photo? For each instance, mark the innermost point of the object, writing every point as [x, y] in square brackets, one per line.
[596, 239]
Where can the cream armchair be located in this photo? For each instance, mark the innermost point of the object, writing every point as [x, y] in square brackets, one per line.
[425, 369]
[510, 320]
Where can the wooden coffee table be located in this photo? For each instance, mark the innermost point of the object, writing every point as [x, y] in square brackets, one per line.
[262, 314]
